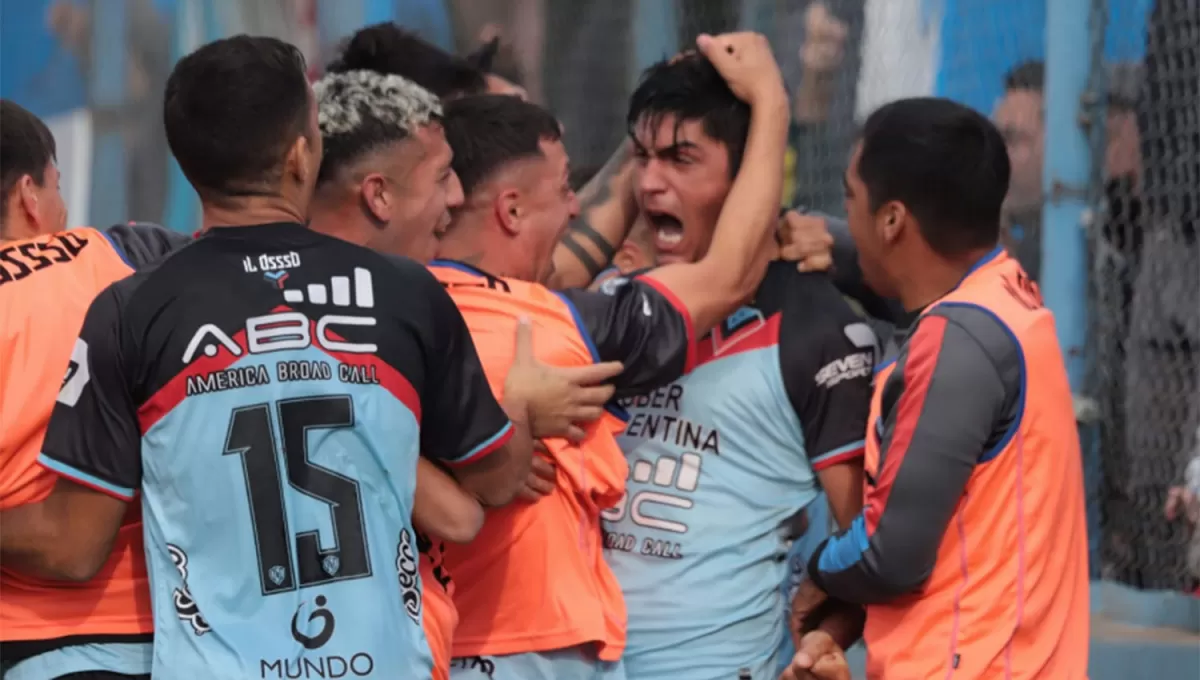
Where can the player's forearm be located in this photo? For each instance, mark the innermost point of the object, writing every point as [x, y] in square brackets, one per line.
[844, 623]
[607, 212]
[442, 508]
[741, 244]
[37, 539]
[495, 480]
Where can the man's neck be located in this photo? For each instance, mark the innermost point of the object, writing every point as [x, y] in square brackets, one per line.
[338, 221]
[242, 212]
[470, 242]
[18, 229]
[937, 278]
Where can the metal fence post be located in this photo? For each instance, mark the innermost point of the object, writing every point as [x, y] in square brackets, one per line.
[108, 98]
[655, 35]
[1068, 173]
[1074, 108]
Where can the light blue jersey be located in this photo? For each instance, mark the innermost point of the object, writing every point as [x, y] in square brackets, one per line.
[720, 462]
[269, 409]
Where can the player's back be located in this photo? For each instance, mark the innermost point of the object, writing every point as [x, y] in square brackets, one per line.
[499, 606]
[276, 375]
[720, 461]
[46, 285]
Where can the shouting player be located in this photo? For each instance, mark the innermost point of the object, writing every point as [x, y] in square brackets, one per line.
[724, 458]
[100, 628]
[971, 551]
[266, 392]
[386, 182]
[535, 597]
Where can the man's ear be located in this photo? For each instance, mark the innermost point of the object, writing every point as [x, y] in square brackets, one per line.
[377, 199]
[299, 161]
[893, 221]
[27, 198]
[509, 212]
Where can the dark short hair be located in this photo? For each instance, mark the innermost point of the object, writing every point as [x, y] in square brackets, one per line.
[1027, 75]
[26, 147]
[487, 132]
[386, 48]
[232, 110]
[1123, 81]
[945, 162]
[690, 88]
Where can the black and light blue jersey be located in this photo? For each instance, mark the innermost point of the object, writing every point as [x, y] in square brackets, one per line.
[267, 390]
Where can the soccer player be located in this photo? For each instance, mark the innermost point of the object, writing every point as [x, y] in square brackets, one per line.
[971, 551]
[607, 209]
[101, 628]
[724, 457]
[266, 391]
[386, 182]
[535, 597]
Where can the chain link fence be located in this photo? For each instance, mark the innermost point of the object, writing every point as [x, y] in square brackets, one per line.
[1145, 305]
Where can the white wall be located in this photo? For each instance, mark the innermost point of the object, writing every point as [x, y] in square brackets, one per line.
[900, 53]
[73, 135]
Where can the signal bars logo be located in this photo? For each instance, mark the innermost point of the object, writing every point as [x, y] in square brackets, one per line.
[290, 330]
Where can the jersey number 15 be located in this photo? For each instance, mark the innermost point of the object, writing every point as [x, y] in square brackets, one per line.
[251, 437]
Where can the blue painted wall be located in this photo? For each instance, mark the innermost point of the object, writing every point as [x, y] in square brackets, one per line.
[983, 39]
[36, 71]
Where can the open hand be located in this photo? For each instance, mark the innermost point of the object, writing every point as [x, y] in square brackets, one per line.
[559, 399]
[824, 40]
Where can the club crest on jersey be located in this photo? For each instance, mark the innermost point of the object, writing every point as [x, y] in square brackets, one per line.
[276, 278]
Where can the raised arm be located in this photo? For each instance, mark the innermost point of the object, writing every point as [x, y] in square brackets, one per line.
[607, 213]
[742, 243]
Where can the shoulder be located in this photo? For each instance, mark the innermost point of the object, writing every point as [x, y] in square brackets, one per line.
[811, 306]
[614, 282]
[141, 243]
[977, 325]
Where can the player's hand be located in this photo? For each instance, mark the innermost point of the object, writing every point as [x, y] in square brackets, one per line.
[805, 602]
[543, 475]
[1181, 502]
[818, 657]
[558, 399]
[746, 63]
[805, 240]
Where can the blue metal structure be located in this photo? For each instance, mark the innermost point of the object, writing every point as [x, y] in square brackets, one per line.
[655, 35]
[1067, 176]
[108, 97]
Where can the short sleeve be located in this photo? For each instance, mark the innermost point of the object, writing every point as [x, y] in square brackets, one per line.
[461, 420]
[93, 437]
[827, 355]
[635, 321]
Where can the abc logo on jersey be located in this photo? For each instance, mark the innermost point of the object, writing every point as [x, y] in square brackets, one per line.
[313, 627]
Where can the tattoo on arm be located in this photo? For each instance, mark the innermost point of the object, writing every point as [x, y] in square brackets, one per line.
[596, 194]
